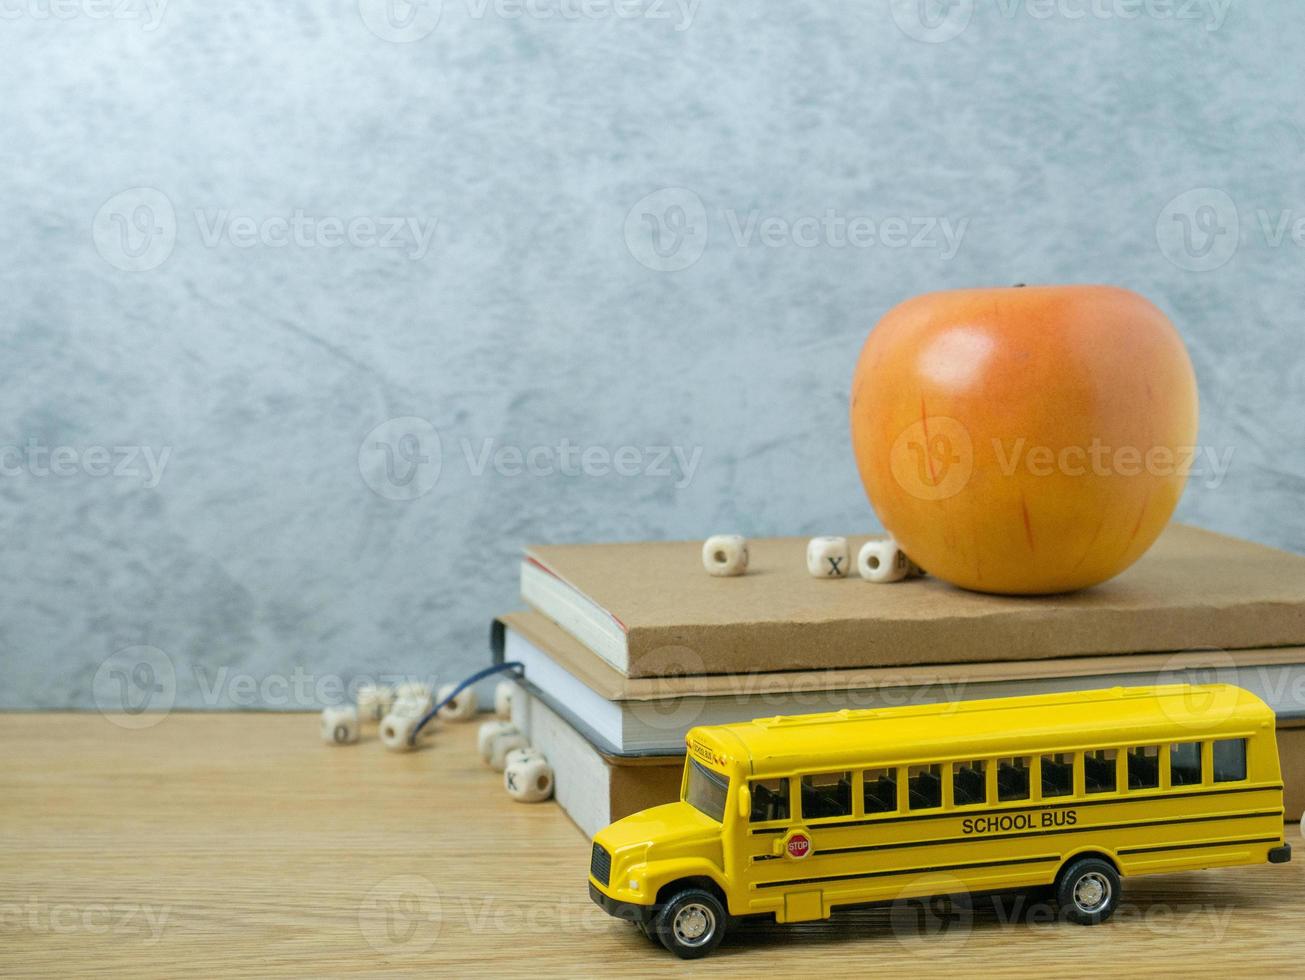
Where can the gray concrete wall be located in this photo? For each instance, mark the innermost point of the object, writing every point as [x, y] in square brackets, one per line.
[240, 237]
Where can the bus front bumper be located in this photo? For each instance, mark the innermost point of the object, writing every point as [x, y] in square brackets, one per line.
[639, 914]
[1280, 855]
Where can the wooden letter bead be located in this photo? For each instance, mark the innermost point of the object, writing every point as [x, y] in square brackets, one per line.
[725, 554]
[374, 701]
[412, 698]
[529, 780]
[489, 731]
[461, 708]
[501, 745]
[522, 755]
[340, 725]
[504, 692]
[827, 557]
[880, 560]
[396, 732]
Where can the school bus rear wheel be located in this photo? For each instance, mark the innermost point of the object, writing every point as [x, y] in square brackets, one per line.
[1088, 891]
[691, 924]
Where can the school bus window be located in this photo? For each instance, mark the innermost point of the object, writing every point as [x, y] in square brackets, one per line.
[827, 794]
[1144, 767]
[769, 800]
[880, 790]
[924, 786]
[1012, 779]
[1229, 760]
[1057, 775]
[706, 791]
[969, 784]
[1100, 772]
[1185, 764]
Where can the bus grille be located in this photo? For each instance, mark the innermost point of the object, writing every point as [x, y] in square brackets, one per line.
[600, 865]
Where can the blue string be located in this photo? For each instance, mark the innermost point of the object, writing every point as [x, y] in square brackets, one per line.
[479, 675]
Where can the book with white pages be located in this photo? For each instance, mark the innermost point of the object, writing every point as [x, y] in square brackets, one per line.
[631, 717]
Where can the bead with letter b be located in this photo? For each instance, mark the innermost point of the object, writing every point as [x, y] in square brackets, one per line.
[880, 560]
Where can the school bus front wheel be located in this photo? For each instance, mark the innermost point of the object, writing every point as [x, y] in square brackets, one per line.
[796, 817]
[691, 923]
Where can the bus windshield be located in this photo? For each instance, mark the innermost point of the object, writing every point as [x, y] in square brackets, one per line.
[706, 791]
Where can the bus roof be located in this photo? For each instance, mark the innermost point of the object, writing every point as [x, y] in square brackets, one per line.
[996, 727]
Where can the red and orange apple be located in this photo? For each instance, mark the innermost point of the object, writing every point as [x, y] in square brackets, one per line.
[1024, 439]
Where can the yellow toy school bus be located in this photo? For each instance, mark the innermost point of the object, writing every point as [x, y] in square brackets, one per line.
[794, 817]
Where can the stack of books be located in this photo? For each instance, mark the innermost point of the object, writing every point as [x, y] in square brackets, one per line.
[628, 646]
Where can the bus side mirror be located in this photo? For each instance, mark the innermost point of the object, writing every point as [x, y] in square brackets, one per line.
[745, 802]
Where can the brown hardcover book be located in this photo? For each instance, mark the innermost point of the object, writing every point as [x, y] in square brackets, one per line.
[1291, 756]
[648, 609]
[1243, 667]
[650, 716]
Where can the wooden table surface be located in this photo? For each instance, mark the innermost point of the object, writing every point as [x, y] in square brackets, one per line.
[240, 845]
